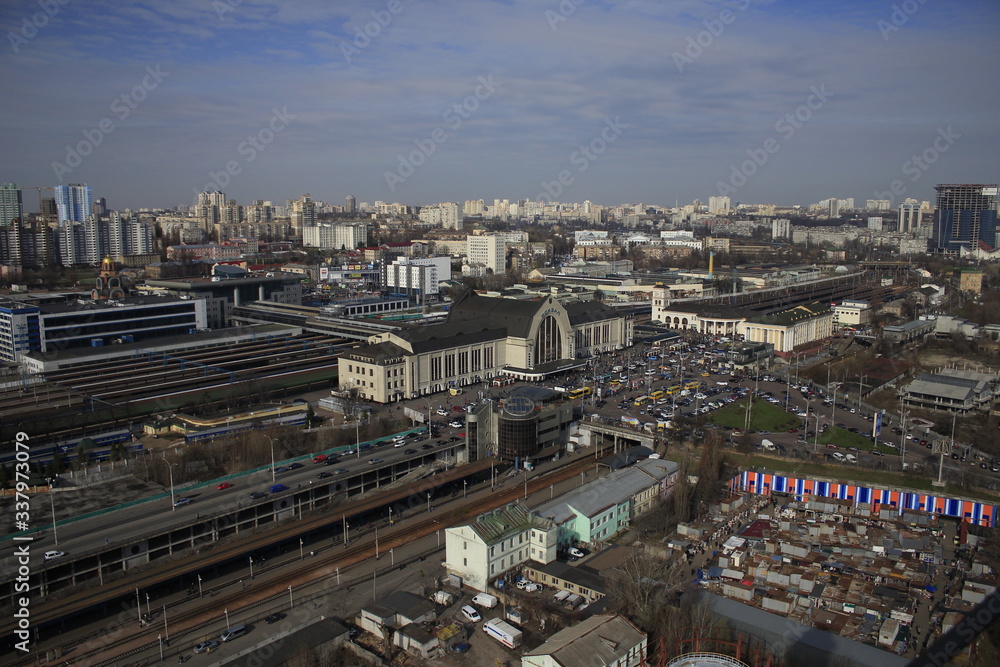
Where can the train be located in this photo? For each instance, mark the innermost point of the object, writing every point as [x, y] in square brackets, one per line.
[223, 431]
[100, 450]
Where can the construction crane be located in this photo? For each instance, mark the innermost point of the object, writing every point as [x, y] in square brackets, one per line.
[39, 188]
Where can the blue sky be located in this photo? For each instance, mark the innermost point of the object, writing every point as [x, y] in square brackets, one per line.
[332, 113]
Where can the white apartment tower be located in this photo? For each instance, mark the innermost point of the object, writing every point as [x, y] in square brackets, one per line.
[910, 217]
[781, 228]
[719, 205]
[489, 250]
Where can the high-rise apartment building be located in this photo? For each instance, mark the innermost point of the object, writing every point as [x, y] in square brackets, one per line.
[489, 250]
[965, 215]
[350, 204]
[73, 202]
[11, 208]
[833, 208]
[303, 214]
[910, 217]
[781, 228]
[334, 237]
[878, 204]
[444, 214]
[719, 205]
[875, 223]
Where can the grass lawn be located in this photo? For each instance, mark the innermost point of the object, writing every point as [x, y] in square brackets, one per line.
[764, 417]
[856, 475]
[844, 439]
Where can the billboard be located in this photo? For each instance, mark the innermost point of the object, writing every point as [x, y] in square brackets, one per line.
[324, 272]
[877, 424]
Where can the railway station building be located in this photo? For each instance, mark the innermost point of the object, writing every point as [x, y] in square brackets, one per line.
[484, 337]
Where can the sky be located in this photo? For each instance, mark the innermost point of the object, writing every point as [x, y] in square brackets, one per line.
[422, 101]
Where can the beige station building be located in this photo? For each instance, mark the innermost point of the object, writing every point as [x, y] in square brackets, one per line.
[483, 338]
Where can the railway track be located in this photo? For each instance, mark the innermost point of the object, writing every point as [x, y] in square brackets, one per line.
[184, 621]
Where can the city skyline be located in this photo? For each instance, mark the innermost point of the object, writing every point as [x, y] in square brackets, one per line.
[767, 102]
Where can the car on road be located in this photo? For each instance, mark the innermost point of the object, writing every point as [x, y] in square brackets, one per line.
[277, 488]
[274, 618]
[257, 495]
[409, 451]
[205, 646]
[49, 555]
[223, 486]
[427, 446]
[294, 466]
[180, 502]
[458, 408]
[324, 475]
[374, 461]
[281, 469]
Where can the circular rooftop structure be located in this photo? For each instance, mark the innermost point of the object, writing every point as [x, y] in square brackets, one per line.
[706, 660]
[518, 406]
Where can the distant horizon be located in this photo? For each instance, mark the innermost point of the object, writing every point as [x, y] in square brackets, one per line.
[398, 101]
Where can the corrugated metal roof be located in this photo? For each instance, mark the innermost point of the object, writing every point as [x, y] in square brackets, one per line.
[597, 641]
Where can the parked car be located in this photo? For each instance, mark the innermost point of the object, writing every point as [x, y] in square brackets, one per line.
[471, 614]
[461, 647]
[274, 618]
[205, 646]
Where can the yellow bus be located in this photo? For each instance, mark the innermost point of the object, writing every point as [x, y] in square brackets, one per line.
[641, 400]
[676, 389]
[693, 384]
[582, 392]
[656, 395]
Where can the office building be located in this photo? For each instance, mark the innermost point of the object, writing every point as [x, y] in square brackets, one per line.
[11, 208]
[488, 250]
[73, 202]
[220, 295]
[18, 329]
[965, 215]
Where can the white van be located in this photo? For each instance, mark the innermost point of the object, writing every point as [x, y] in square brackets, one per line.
[471, 614]
[837, 456]
[485, 600]
[232, 633]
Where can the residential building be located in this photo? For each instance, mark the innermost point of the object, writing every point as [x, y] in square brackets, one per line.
[416, 277]
[351, 204]
[719, 205]
[781, 228]
[601, 509]
[910, 217]
[489, 250]
[875, 223]
[335, 237]
[73, 202]
[497, 541]
[444, 214]
[303, 214]
[606, 640]
[970, 279]
[878, 204]
[965, 215]
[11, 207]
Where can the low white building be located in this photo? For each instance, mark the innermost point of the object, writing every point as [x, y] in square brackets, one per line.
[609, 641]
[496, 542]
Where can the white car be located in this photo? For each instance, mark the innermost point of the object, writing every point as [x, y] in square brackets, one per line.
[442, 412]
[575, 553]
[49, 555]
[471, 614]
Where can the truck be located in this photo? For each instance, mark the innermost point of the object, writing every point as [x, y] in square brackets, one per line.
[503, 632]
[767, 445]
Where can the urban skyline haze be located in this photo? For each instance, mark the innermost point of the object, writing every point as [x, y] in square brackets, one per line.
[768, 101]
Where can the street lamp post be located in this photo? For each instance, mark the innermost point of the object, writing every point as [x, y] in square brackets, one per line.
[270, 441]
[170, 470]
[52, 504]
[251, 571]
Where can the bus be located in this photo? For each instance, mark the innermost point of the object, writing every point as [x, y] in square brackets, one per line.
[656, 395]
[641, 400]
[693, 385]
[675, 389]
[582, 392]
